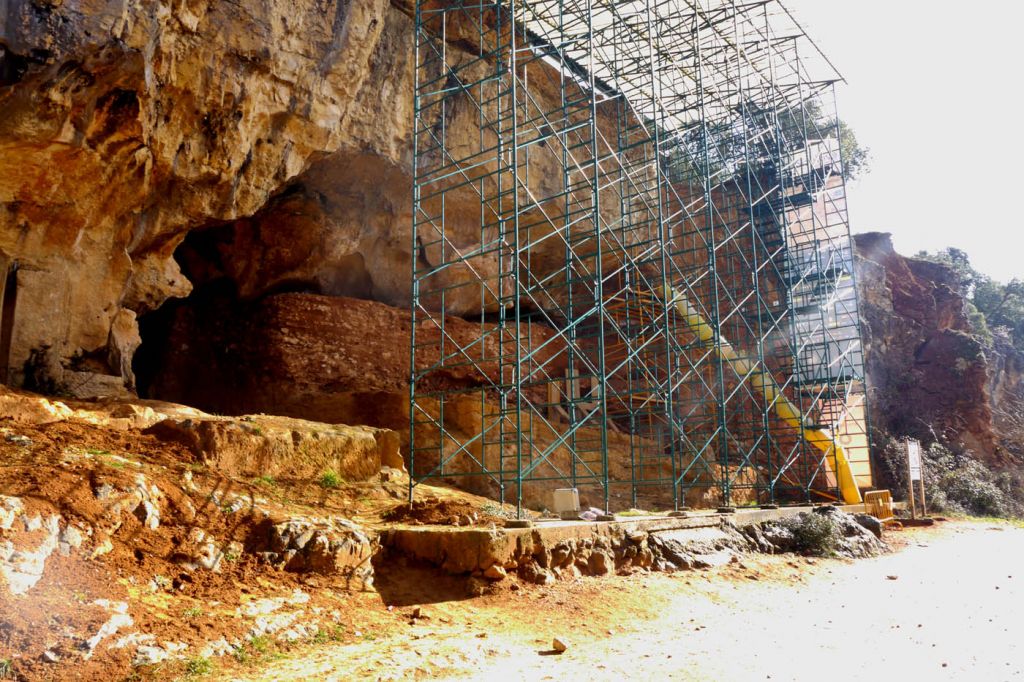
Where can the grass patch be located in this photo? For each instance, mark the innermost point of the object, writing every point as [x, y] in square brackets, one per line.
[268, 481]
[258, 650]
[261, 644]
[1017, 522]
[6, 669]
[330, 480]
[335, 634]
[192, 612]
[198, 666]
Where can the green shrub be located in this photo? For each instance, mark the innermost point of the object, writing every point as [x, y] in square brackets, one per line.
[813, 533]
[198, 666]
[955, 483]
[330, 480]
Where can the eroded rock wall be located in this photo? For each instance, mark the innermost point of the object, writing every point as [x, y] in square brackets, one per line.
[283, 129]
[127, 124]
[929, 376]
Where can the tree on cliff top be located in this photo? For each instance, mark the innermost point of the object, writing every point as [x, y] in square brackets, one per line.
[994, 308]
[755, 138]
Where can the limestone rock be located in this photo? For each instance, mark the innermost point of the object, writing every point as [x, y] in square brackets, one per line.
[537, 575]
[129, 124]
[871, 523]
[495, 573]
[11, 509]
[22, 564]
[335, 547]
[70, 538]
[276, 446]
[600, 563]
[918, 343]
[118, 619]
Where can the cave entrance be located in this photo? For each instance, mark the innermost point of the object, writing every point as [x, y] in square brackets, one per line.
[300, 309]
[207, 350]
[8, 305]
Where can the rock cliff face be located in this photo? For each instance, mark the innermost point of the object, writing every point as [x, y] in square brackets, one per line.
[153, 150]
[275, 137]
[127, 124]
[929, 377]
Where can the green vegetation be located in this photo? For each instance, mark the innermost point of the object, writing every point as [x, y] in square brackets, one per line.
[719, 148]
[995, 310]
[956, 483]
[198, 666]
[268, 481]
[6, 669]
[192, 612]
[261, 644]
[323, 636]
[813, 533]
[330, 480]
[257, 650]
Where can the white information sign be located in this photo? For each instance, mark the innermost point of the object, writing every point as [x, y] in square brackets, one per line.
[914, 459]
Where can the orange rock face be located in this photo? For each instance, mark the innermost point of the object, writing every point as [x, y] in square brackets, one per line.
[929, 377]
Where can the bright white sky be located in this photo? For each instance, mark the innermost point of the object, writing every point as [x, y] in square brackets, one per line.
[936, 91]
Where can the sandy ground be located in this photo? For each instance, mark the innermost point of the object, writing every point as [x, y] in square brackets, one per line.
[946, 606]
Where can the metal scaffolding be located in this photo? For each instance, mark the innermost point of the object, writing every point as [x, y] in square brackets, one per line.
[632, 271]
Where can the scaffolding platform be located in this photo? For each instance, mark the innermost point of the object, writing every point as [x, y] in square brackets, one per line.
[644, 206]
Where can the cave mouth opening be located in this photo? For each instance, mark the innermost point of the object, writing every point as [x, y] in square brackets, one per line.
[200, 350]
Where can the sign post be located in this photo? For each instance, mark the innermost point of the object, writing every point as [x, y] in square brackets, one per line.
[914, 473]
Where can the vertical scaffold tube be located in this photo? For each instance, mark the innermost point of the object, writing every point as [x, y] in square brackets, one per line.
[764, 383]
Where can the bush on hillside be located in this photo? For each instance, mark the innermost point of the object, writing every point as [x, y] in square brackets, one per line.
[955, 482]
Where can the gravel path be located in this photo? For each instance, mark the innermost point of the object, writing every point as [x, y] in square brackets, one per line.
[947, 605]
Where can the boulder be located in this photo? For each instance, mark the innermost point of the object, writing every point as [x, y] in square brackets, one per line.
[334, 547]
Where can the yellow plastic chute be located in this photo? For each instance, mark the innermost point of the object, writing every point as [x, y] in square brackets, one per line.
[765, 384]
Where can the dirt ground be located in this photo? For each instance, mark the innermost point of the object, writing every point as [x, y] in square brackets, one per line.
[59, 472]
[945, 606]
